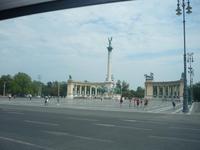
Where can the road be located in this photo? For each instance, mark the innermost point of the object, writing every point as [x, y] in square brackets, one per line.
[40, 128]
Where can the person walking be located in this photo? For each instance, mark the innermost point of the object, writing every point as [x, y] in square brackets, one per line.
[138, 102]
[121, 101]
[173, 104]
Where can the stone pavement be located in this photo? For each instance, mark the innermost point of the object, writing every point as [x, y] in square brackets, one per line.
[154, 106]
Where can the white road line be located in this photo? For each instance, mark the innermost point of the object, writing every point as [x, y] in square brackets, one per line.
[41, 123]
[125, 127]
[105, 125]
[144, 121]
[180, 128]
[18, 113]
[78, 136]
[160, 110]
[23, 142]
[178, 110]
[82, 119]
[130, 120]
[174, 139]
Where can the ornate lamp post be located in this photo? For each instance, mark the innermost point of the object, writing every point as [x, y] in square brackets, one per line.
[190, 60]
[178, 12]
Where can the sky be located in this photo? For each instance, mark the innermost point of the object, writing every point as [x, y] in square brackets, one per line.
[147, 37]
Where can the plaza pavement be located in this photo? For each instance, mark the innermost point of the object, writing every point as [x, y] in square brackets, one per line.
[154, 106]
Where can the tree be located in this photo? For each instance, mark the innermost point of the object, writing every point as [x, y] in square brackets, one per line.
[196, 92]
[63, 89]
[36, 87]
[21, 84]
[5, 80]
[118, 87]
[139, 92]
[125, 89]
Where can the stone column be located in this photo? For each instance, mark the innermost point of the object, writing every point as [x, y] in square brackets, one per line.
[158, 91]
[163, 92]
[70, 87]
[85, 90]
[108, 78]
[95, 91]
[90, 91]
[80, 90]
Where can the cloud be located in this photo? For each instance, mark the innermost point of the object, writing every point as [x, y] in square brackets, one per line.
[147, 37]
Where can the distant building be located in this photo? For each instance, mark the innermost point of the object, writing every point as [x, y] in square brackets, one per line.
[166, 90]
[85, 89]
[93, 89]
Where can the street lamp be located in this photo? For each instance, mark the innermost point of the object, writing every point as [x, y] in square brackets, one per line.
[190, 60]
[179, 12]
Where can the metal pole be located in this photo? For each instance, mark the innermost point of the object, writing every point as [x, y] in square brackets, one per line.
[185, 94]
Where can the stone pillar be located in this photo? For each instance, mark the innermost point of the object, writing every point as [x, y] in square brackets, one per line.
[158, 91]
[90, 91]
[70, 87]
[76, 93]
[169, 88]
[108, 78]
[163, 92]
[85, 92]
[80, 90]
[95, 91]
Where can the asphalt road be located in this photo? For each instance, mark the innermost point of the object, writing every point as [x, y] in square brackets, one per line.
[38, 128]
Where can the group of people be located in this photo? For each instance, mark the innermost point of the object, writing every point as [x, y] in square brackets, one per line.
[140, 102]
[137, 102]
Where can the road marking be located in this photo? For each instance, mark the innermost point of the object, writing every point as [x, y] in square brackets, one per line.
[174, 139]
[150, 122]
[130, 120]
[105, 125]
[78, 136]
[82, 119]
[125, 127]
[41, 123]
[180, 128]
[178, 110]
[23, 142]
[18, 113]
[161, 109]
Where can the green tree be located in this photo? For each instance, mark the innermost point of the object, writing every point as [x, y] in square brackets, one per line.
[139, 92]
[118, 87]
[36, 87]
[21, 84]
[63, 89]
[125, 89]
[7, 80]
[196, 92]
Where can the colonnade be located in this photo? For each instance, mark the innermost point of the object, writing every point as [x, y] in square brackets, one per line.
[86, 90]
[166, 91]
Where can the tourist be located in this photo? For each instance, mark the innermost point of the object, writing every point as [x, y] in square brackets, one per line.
[173, 104]
[141, 102]
[138, 102]
[134, 99]
[145, 102]
[121, 101]
[129, 103]
[9, 96]
[30, 96]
